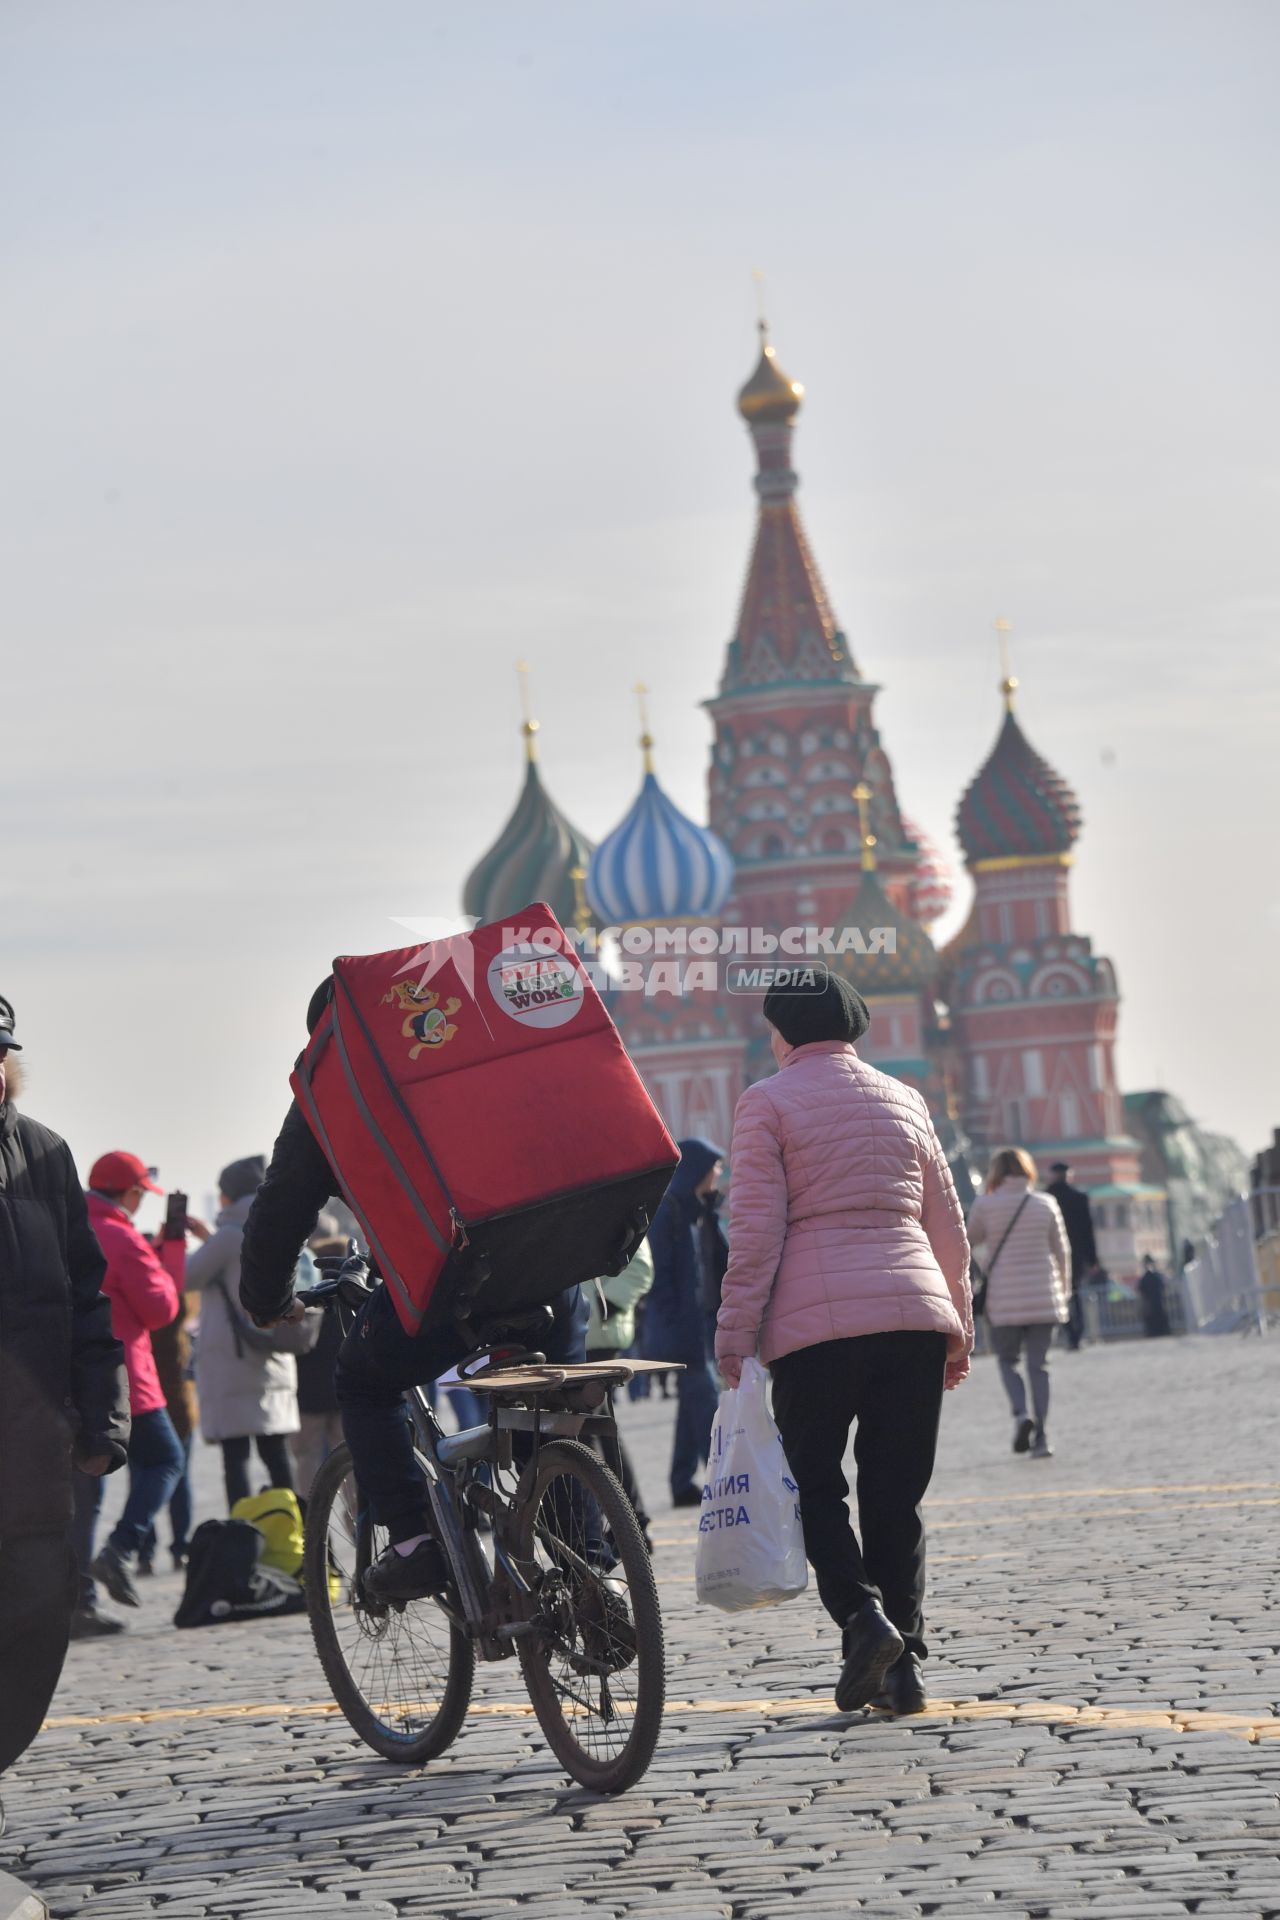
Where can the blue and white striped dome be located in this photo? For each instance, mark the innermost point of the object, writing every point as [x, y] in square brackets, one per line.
[658, 865]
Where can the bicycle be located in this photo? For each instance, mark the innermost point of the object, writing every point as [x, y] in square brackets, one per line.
[565, 1584]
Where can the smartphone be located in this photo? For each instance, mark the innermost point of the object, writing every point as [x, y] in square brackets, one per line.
[175, 1217]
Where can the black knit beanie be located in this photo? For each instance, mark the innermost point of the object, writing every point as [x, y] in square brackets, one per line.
[816, 1004]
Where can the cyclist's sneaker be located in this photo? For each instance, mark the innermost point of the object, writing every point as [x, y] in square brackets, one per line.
[604, 1617]
[408, 1576]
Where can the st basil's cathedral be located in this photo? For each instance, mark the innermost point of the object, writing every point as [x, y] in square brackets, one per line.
[1009, 1030]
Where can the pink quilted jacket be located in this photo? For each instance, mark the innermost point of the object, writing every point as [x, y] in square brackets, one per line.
[843, 1215]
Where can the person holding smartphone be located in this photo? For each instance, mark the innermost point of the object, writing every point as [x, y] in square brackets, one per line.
[143, 1295]
[171, 1348]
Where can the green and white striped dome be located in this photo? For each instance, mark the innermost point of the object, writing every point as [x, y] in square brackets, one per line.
[533, 858]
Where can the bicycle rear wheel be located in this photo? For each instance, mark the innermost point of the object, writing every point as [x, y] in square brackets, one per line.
[402, 1676]
[595, 1667]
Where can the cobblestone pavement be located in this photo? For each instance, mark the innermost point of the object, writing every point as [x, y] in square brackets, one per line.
[1103, 1740]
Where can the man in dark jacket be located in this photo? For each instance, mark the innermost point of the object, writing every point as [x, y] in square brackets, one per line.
[1077, 1217]
[63, 1392]
[1155, 1312]
[690, 1255]
[377, 1361]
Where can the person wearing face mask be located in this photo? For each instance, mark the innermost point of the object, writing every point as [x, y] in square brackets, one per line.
[64, 1397]
[687, 1243]
[849, 1277]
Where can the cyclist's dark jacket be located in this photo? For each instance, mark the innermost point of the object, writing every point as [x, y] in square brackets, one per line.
[62, 1377]
[282, 1218]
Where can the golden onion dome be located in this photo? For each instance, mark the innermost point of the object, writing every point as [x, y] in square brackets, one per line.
[770, 394]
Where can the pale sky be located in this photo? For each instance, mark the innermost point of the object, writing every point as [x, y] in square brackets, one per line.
[353, 351]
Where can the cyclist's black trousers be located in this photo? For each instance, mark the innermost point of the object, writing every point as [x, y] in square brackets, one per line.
[378, 1360]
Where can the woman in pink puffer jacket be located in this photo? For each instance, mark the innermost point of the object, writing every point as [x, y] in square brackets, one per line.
[849, 1276]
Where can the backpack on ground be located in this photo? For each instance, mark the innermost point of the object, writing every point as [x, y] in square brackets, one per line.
[483, 1118]
[278, 1518]
[226, 1579]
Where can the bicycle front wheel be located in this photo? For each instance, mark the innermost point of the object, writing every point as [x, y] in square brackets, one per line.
[402, 1675]
[594, 1665]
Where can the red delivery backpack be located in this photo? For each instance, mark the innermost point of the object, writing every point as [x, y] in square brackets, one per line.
[483, 1120]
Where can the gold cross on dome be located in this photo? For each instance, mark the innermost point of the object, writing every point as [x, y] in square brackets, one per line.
[529, 725]
[862, 794]
[1008, 679]
[646, 738]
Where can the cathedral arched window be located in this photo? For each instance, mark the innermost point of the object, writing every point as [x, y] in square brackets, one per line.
[996, 986]
[1057, 982]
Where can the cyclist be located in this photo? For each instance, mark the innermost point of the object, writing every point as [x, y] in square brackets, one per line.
[378, 1361]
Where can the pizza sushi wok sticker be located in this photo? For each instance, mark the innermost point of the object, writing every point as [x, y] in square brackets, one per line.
[536, 989]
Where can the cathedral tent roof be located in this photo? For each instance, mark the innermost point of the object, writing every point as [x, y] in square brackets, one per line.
[786, 630]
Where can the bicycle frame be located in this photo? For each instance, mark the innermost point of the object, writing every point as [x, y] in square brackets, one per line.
[496, 1601]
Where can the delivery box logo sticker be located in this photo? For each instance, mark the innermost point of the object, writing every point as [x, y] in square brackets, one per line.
[534, 987]
[426, 1022]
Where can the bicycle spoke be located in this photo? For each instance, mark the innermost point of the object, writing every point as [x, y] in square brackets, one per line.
[599, 1671]
[398, 1659]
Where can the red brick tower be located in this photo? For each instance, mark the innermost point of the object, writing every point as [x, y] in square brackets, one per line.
[1033, 1008]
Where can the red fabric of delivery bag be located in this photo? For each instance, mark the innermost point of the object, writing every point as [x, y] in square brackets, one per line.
[484, 1120]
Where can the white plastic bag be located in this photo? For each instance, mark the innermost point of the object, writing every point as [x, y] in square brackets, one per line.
[750, 1546]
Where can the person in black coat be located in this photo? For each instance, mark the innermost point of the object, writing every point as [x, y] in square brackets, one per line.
[1155, 1312]
[1077, 1217]
[690, 1255]
[63, 1395]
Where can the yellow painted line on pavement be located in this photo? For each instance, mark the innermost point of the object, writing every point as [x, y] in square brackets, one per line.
[1244, 1726]
[1107, 1493]
[1087, 1493]
[1113, 1513]
[989, 1520]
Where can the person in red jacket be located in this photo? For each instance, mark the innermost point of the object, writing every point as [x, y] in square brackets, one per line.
[143, 1296]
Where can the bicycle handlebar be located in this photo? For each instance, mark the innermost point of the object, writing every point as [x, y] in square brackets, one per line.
[349, 1288]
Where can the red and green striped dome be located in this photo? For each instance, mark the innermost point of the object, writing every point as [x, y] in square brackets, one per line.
[1017, 807]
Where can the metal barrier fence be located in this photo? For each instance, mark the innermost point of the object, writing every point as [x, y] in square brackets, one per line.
[1113, 1313]
[1223, 1290]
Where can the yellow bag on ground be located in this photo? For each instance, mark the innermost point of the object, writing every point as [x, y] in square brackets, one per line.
[278, 1518]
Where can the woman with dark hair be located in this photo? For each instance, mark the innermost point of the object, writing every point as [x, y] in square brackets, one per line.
[849, 1276]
